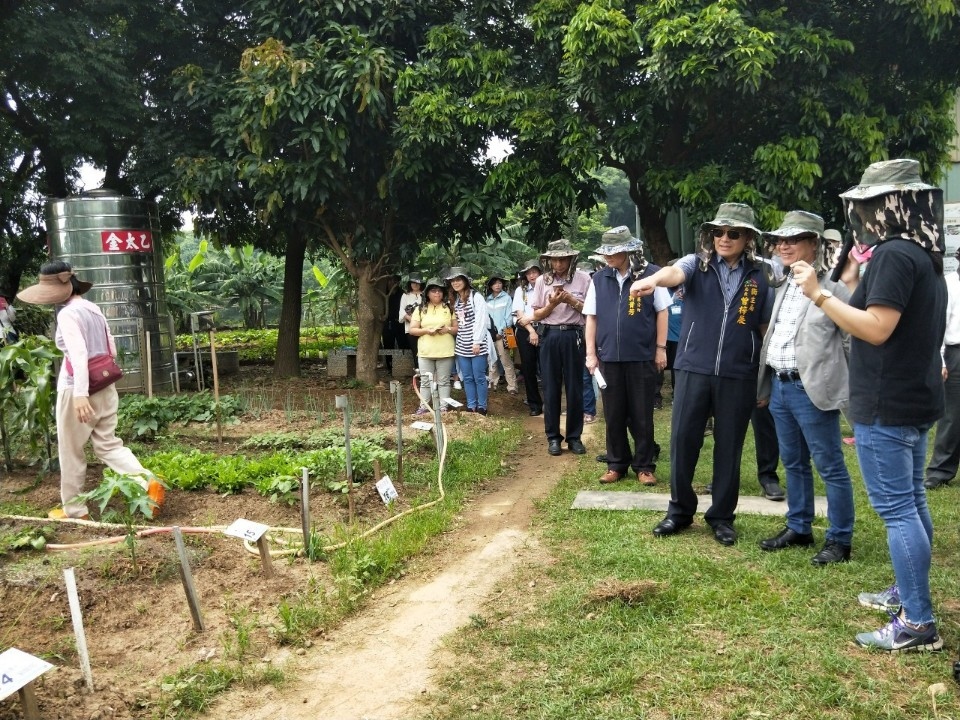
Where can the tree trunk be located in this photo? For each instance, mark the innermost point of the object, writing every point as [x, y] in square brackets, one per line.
[288, 335]
[370, 314]
[654, 224]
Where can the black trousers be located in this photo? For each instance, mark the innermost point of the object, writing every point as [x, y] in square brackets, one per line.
[628, 405]
[730, 402]
[946, 445]
[765, 440]
[530, 361]
[562, 359]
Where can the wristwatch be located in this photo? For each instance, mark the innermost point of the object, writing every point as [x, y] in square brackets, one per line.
[823, 297]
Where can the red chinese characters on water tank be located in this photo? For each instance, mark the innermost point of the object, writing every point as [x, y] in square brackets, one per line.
[126, 241]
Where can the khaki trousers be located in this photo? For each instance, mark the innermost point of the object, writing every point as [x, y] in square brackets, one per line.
[72, 436]
[509, 371]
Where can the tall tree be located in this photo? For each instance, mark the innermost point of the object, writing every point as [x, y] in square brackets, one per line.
[90, 81]
[307, 125]
[779, 105]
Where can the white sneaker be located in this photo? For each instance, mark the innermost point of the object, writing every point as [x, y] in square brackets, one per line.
[457, 385]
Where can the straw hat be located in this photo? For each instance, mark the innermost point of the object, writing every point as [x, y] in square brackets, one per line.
[53, 288]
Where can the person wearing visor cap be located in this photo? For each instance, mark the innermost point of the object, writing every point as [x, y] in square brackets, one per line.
[896, 318]
[557, 305]
[82, 333]
[627, 342]
[803, 379]
[527, 337]
[727, 303]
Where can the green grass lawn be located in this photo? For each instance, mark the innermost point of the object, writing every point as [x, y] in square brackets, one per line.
[720, 633]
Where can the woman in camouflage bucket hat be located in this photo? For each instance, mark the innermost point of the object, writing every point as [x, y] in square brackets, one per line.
[896, 320]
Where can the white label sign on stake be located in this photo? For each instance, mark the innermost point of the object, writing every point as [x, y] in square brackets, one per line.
[17, 669]
[421, 425]
[246, 530]
[388, 493]
[450, 402]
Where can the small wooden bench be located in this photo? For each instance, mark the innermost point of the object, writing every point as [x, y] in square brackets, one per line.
[342, 362]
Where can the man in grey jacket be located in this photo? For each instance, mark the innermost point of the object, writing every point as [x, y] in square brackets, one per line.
[803, 377]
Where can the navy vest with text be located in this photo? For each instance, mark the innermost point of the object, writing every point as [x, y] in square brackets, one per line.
[716, 339]
[626, 326]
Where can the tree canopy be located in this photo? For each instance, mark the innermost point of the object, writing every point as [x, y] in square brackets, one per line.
[780, 106]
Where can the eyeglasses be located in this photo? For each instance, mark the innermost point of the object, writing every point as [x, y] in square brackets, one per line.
[793, 240]
[732, 234]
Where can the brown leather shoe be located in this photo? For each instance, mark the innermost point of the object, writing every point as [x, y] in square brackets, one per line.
[647, 478]
[611, 476]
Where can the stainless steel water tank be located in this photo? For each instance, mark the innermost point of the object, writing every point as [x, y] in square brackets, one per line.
[114, 242]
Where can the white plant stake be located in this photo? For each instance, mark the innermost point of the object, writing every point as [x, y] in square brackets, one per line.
[77, 616]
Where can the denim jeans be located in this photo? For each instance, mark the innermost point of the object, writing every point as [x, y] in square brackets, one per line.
[473, 375]
[805, 431]
[892, 459]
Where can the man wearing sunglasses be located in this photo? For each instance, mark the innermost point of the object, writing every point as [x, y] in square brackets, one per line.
[727, 304]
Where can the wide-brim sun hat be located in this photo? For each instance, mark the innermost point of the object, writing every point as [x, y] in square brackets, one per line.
[414, 278]
[455, 272]
[559, 249]
[434, 282]
[529, 265]
[618, 240]
[832, 236]
[53, 289]
[494, 278]
[887, 176]
[734, 215]
[797, 222]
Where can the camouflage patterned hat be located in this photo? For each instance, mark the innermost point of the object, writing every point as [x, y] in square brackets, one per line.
[883, 178]
[559, 249]
[618, 240]
[796, 222]
[434, 282]
[734, 215]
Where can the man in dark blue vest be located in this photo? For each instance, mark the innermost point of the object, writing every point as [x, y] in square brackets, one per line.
[627, 341]
[727, 304]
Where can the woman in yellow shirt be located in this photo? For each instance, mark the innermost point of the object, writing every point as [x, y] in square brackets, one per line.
[435, 326]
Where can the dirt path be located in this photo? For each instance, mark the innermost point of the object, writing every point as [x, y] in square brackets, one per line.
[377, 664]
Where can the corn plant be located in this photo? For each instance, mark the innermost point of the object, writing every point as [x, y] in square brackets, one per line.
[28, 395]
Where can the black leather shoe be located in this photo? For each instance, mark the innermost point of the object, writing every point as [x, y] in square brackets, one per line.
[602, 459]
[669, 526]
[724, 534]
[786, 538]
[553, 447]
[934, 483]
[576, 447]
[832, 552]
[535, 411]
[773, 491]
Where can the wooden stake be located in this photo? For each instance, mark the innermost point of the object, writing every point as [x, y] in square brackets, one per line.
[146, 341]
[216, 385]
[28, 701]
[305, 512]
[79, 635]
[265, 556]
[186, 577]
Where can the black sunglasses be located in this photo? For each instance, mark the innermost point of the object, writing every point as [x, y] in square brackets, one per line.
[732, 234]
[793, 240]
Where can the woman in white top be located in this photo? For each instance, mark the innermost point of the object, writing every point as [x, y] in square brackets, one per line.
[472, 337]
